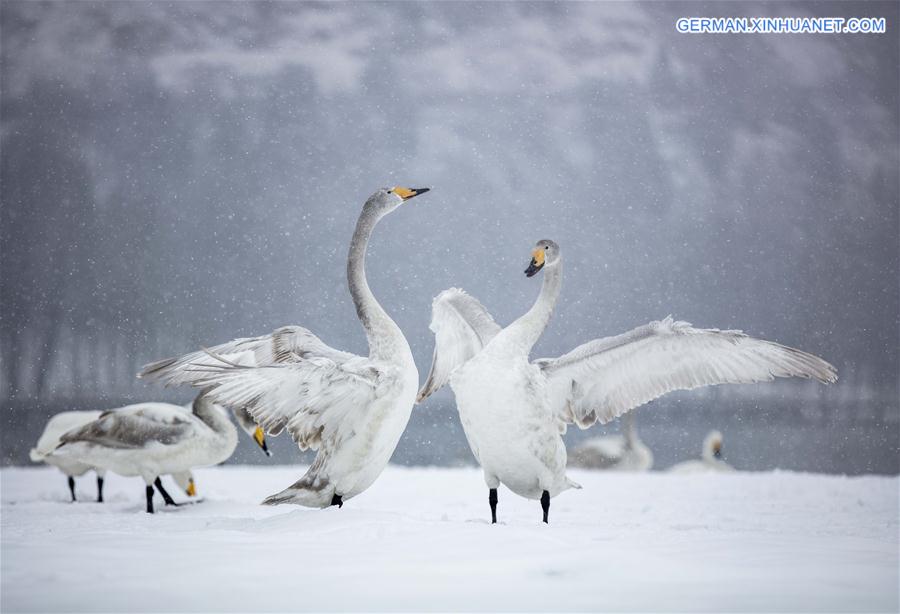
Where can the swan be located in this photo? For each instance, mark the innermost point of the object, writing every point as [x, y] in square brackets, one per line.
[352, 409]
[150, 440]
[66, 421]
[710, 458]
[625, 452]
[49, 440]
[514, 412]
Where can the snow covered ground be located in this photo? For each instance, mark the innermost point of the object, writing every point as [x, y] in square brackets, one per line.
[419, 540]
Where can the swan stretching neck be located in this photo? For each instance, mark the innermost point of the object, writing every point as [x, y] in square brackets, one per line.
[514, 411]
[352, 409]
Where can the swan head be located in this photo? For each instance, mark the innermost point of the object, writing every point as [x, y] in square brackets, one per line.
[545, 253]
[386, 200]
[249, 426]
[712, 445]
[185, 481]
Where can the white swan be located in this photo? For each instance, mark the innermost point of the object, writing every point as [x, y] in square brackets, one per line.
[625, 452]
[710, 457]
[150, 440]
[352, 409]
[514, 411]
[66, 421]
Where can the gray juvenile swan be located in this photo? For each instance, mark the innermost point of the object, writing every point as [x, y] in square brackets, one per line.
[624, 452]
[66, 421]
[710, 457]
[514, 412]
[152, 439]
[352, 409]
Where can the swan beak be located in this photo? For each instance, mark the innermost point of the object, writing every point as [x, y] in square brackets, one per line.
[407, 193]
[717, 451]
[191, 490]
[537, 263]
[260, 438]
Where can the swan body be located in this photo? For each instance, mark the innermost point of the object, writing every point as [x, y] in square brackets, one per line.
[625, 452]
[72, 466]
[514, 411]
[352, 409]
[152, 439]
[508, 425]
[49, 440]
[56, 427]
[710, 459]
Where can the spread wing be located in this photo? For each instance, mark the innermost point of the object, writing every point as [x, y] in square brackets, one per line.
[605, 378]
[287, 344]
[287, 380]
[461, 327]
[135, 427]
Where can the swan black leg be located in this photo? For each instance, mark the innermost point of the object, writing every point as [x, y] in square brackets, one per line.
[149, 499]
[545, 505]
[337, 500]
[166, 497]
[99, 489]
[72, 487]
[492, 499]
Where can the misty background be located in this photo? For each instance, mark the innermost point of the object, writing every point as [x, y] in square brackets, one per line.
[175, 175]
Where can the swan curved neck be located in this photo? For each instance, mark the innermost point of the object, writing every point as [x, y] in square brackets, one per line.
[382, 333]
[630, 431]
[204, 409]
[529, 328]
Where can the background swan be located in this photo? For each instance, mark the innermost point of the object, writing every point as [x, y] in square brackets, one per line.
[624, 452]
[352, 409]
[514, 411]
[66, 421]
[152, 439]
[49, 440]
[710, 457]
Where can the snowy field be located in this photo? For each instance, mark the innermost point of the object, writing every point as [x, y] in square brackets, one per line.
[419, 540]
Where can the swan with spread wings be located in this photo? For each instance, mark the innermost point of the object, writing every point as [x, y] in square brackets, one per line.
[352, 409]
[514, 411]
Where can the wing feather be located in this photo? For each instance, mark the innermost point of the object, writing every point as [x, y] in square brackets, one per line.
[315, 399]
[605, 378]
[286, 344]
[461, 327]
[287, 380]
[134, 427]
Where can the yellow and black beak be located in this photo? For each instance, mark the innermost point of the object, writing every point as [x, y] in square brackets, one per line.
[191, 489]
[407, 193]
[260, 438]
[537, 262]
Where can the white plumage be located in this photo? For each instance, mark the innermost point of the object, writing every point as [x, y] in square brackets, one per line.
[73, 467]
[710, 457]
[152, 439]
[352, 409]
[651, 360]
[624, 452]
[514, 411]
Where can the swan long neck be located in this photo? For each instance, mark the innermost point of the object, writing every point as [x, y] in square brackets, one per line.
[205, 409]
[529, 328]
[381, 331]
[630, 431]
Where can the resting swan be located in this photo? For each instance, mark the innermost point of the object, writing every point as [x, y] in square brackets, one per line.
[514, 411]
[66, 421]
[710, 457]
[352, 409]
[625, 452]
[153, 439]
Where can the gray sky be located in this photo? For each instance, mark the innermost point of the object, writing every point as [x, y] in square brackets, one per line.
[176, 175]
